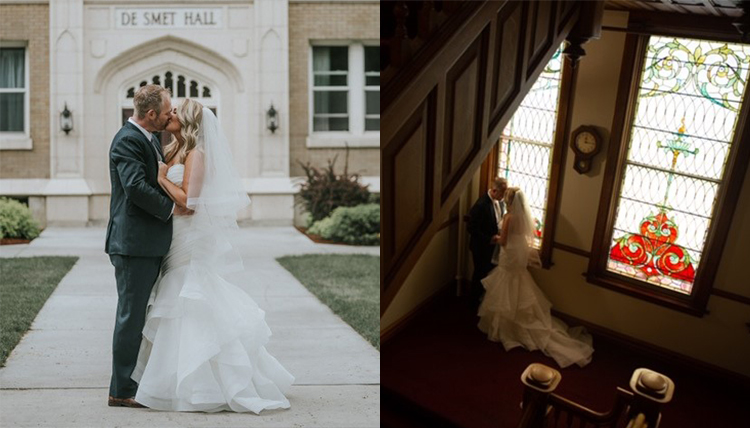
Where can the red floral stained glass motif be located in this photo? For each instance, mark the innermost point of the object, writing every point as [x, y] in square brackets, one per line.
[672, 178]
[653, 252]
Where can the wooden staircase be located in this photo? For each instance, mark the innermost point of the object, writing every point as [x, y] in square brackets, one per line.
[451, 83]
[638, 408]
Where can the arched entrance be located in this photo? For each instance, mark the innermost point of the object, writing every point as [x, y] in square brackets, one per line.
[181, 86]
[218, 84]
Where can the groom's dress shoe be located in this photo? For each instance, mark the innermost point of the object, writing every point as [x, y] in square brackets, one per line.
[124, 402]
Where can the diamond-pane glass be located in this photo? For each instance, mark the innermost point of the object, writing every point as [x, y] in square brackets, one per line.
[689, 99]
[526, 142]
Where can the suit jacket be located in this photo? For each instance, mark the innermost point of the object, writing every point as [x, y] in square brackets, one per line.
[140, 222]
[482, 227]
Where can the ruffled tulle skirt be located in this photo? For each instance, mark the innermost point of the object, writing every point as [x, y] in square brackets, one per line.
[204, 340]
[514, 311]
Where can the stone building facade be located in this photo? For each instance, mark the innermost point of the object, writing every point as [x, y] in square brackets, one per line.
[239, 58]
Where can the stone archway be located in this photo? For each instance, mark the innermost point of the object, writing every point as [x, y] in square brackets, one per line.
[155, 58]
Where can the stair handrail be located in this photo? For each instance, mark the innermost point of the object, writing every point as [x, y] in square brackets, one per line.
[641, 407]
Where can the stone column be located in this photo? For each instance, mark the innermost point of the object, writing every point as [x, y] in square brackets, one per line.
[272, 56]
[67, 192]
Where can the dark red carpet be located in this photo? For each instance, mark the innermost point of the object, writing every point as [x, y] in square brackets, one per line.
[442, 362]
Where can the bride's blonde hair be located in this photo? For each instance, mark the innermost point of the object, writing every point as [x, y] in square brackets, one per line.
[510, 194]
[190, 115]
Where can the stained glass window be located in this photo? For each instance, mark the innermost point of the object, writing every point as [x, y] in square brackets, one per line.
[525, 148]
[689, 99]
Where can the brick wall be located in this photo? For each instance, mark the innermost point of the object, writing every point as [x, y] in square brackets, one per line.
[30, 23]
[325, 21]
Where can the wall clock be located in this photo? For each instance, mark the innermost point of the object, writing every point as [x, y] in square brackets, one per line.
[586, 142]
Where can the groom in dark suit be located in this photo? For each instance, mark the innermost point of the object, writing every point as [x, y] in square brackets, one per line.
[139, 232]
[483, 228]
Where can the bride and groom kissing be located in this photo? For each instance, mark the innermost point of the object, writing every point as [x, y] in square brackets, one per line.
[185, 339]
[513, 310]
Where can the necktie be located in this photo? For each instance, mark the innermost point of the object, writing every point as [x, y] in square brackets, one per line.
[153, 144]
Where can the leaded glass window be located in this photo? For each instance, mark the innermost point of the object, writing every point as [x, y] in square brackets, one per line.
[689, 97]
[526, 143]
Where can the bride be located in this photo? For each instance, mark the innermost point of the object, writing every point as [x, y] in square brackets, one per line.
[514, 310]
[204, 340]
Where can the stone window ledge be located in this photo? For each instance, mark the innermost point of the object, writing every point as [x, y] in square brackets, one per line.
[15, 141]
[326, 141]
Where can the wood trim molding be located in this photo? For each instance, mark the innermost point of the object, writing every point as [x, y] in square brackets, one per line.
[714, 291]
[731, 296]
[573, 250]
[683, 25]
[448, 223]
[559, 150]
[666, 356]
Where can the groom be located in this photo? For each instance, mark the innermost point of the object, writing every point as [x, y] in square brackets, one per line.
[484, 218]
[139, 232]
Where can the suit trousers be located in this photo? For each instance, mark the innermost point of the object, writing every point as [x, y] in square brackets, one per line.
[136, 277]
[482, 267]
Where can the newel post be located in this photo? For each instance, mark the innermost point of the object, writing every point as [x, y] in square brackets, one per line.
[540, 381]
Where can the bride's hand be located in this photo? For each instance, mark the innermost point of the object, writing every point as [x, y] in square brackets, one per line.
[163, 168]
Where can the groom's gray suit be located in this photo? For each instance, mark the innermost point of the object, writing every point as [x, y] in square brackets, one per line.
[138, 236]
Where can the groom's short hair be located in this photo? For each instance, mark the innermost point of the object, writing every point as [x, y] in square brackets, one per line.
[499, 182]
[149, 97]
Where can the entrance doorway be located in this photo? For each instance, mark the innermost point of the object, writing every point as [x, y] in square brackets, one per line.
[181, 86]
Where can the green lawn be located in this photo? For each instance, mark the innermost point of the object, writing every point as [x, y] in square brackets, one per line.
[25, 284]
[348, 283]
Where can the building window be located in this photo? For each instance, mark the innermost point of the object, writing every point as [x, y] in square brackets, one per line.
[344, 94]
[372, 88]
[672, 170]
[527, 142]
[14, 96]
[330, 88]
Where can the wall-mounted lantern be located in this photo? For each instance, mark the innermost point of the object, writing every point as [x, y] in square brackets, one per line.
[66, 120]
[272, 119]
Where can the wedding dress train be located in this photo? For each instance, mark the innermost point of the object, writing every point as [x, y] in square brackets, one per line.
[204, 340]
[514, 310]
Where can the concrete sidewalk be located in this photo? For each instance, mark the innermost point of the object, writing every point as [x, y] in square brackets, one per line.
[58, 375]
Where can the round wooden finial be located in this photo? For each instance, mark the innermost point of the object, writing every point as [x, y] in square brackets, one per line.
[541, 374]
[653, 381]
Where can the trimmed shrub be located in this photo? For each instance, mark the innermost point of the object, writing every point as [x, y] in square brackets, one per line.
[16, 220]
[324, 190]
[358, 225]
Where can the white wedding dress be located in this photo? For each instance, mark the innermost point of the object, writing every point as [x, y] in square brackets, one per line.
[204, 340]
[514, 310]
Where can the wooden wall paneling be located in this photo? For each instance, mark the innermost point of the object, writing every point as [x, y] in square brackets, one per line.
[464, 108]
[541, 32]
[507, 65]
[448, 186]
[408, 179]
